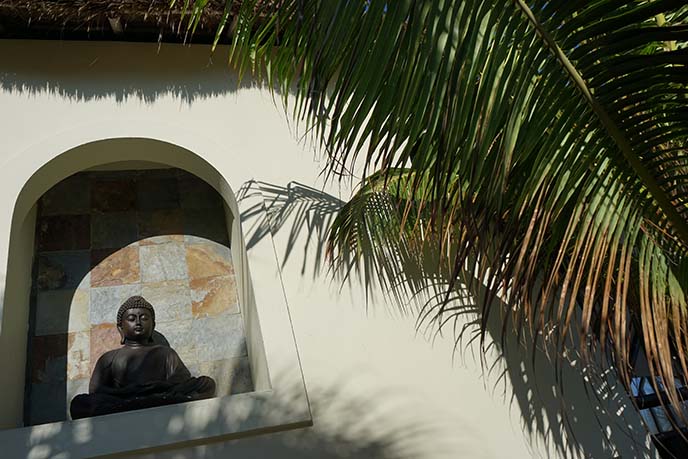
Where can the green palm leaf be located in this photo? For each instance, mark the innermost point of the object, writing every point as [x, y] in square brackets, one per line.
[539, 144]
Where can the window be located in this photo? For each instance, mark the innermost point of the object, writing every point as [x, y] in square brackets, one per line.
[668, 441]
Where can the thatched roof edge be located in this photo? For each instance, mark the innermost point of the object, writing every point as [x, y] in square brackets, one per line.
[137, 20]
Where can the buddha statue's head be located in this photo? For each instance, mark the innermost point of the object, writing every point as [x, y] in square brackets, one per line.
[136, 321]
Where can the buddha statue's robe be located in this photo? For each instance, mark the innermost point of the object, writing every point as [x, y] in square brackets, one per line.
[136, 377]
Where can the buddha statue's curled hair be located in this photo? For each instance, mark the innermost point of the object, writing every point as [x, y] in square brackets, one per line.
[131, 303]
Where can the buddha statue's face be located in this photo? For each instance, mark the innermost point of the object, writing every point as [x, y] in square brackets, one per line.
[137, 326]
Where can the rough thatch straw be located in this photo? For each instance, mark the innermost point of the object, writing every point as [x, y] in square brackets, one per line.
[94, 15]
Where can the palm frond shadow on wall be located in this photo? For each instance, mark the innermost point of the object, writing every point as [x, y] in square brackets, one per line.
[547, 140]
[512, 371]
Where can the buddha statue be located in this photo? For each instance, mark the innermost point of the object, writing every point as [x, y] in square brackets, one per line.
[140, 374]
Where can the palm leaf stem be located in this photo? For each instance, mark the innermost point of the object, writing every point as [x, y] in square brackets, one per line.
[677, 221]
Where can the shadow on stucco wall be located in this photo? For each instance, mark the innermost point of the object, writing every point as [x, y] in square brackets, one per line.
[360, 430]
[307, 212]
[599, 423]
[83, 71]
[357, 427]
[570, 408]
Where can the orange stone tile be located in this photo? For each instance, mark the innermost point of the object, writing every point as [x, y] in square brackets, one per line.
[104, 337]
[208, 260]
[212, 296]
[115, 268]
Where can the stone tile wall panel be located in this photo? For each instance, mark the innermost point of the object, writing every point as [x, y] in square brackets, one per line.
[102, 237]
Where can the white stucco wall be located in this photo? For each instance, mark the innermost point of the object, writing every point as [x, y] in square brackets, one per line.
[377, 388]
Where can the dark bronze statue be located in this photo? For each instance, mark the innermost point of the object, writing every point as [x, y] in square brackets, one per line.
[140, 374]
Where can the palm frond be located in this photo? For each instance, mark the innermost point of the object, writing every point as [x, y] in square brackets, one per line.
[542, 144]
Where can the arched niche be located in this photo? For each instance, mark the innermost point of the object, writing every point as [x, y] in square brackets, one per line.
[113, 154]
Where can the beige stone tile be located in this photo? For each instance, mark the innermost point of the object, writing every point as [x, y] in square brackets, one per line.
[162, 239]
[157, 193]
[218, 338]
[179, 335]
[63, 232]
[195, 193]
[65, 270]
[47, 403]
[171, 300]
[113, 194]
[161, 226]
[78, 355]
[113, 230]
[61, 311]
[105, 301]
[70, 196]
[206, 225]
[48, 358]
[163, 262]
